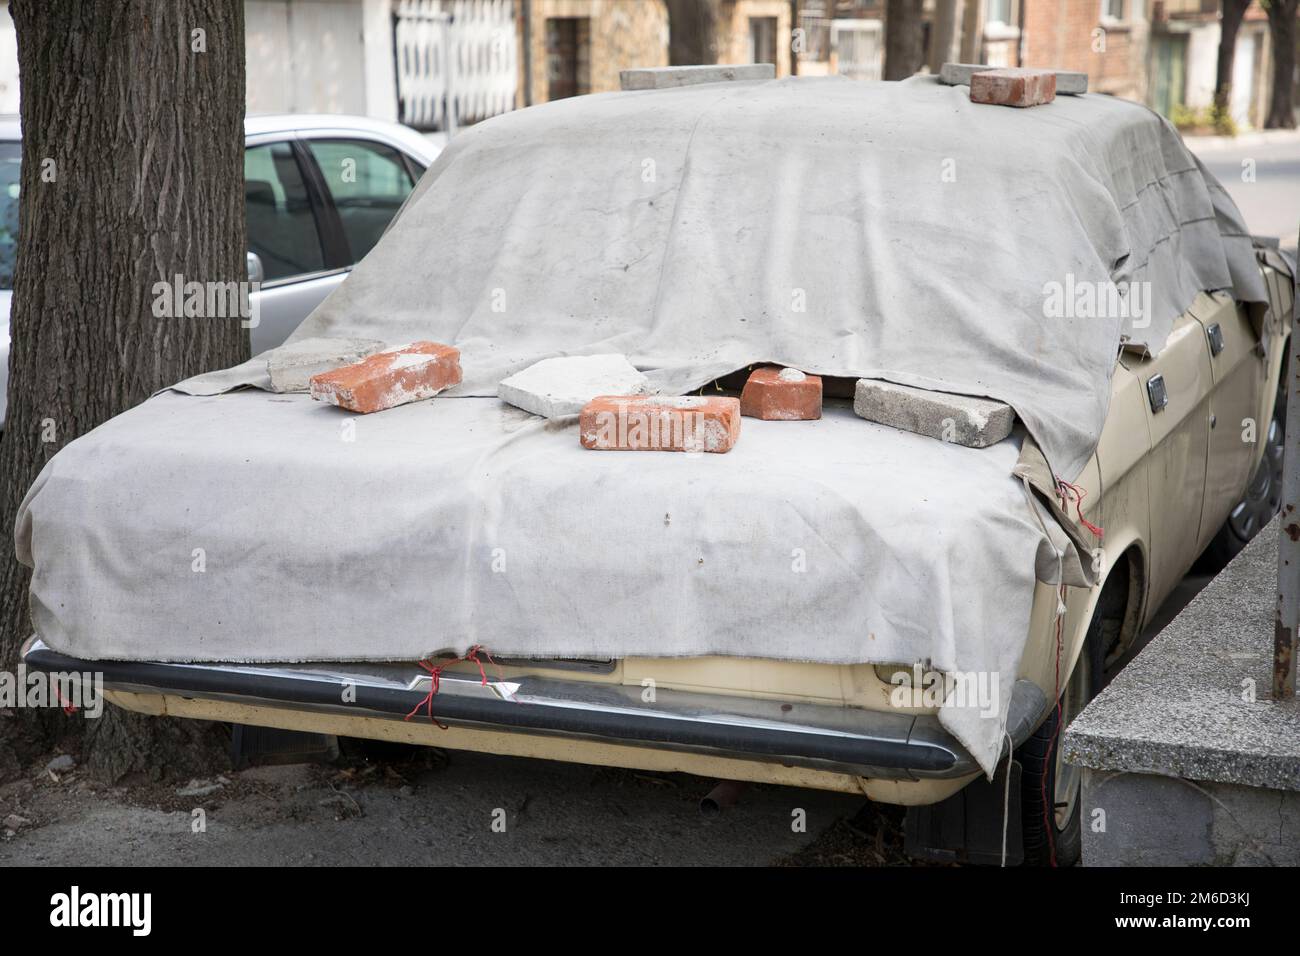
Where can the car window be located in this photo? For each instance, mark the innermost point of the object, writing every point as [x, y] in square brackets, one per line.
[281, 224]
[11, 155]
[368, 182]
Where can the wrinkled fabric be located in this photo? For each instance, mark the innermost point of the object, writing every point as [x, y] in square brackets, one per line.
[889, 230]
[257, 527]
[868, 230]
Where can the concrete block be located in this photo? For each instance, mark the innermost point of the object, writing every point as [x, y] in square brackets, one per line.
[561, 386]
[963, 419]
[667, 77]
[292, 365]
[782, 395]
[408, 374]
[1068, 82]
[690, 423]
[1012, 87]
[1146, 819]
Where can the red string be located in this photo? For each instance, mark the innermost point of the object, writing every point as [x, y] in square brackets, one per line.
[1070, 492]
[435, 682]
[1050, 811]
[69, 707]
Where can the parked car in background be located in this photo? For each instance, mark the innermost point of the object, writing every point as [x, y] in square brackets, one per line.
[319, 190]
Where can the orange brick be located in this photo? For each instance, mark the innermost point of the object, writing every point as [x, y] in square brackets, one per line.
[660, 423]
[781, 395]
[1013, 87]
[414, 372]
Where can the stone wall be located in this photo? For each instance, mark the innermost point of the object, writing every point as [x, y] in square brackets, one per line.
[733, 30]
[1138, 819]
[623, 34]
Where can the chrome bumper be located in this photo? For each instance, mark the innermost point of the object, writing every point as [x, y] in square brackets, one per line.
[866, 743]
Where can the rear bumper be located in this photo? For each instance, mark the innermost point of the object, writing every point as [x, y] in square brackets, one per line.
[864, 743]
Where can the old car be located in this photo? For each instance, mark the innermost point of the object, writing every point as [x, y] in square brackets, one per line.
[310, 214]
[837, 603]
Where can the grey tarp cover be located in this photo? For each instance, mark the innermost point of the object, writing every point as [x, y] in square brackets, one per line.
[849, 229]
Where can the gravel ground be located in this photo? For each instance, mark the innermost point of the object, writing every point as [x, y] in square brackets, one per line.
[434, 807]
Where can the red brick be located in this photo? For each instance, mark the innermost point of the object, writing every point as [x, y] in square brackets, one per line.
[1013, 87]
[408, 374]
[796, 397]
[660, 423]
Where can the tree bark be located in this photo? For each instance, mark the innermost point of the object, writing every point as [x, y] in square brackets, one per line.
[904, 39]
[132, 172]
[1282, 32]
[1230, 23]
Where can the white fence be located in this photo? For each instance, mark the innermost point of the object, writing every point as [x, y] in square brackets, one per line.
[849, 47]
[457, 55]
[857, 47]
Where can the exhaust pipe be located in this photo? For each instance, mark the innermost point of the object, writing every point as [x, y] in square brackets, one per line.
[725, 794]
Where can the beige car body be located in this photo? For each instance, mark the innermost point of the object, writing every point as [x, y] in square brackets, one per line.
[1160, 484]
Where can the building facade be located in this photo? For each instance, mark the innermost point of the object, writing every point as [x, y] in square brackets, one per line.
[580, 46]
[731, 31]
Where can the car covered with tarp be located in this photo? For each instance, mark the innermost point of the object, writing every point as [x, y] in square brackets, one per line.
[833, 603]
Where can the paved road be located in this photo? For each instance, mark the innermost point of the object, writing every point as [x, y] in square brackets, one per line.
[1271, 203]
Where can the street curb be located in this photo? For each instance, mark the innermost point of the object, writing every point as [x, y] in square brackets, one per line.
[1266, 137]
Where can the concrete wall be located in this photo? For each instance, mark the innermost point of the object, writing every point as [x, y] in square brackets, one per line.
[321, 56]
[1134, 819]
[1202, 64]
[624, 33]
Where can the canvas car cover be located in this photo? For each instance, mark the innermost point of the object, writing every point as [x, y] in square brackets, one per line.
[889, 230]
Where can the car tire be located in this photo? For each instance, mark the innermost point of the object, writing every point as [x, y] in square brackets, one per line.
[1051, 816]
[1263, 496]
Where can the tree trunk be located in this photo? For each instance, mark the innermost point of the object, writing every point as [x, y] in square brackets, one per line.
[1233, 13]
[132, 172]
[944, 33]
[904, 39]
[1281, 29]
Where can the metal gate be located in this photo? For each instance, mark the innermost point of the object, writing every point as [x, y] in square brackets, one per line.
[457, 61]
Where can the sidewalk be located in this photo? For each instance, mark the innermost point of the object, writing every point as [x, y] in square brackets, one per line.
[1247, 140]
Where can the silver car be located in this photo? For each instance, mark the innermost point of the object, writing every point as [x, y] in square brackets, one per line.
[318, 192]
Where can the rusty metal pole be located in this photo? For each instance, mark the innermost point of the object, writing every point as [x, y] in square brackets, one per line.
[1288, 550]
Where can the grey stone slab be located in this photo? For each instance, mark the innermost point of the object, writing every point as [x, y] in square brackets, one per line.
[1194, 703]
[292, 365]
[556, 387]
[1068, 82]
[961, 419]
[667, 77]
[1141, 819]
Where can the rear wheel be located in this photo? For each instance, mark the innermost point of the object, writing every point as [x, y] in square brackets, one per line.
[1050, 788]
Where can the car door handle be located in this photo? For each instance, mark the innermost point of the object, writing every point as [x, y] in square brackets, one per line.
[1157, 394]
[1215, 334]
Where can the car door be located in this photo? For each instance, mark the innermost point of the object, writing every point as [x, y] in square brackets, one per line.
[317, 202]
[1235, 435]
[365, 182]
[1177, 384]
[301, 257]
